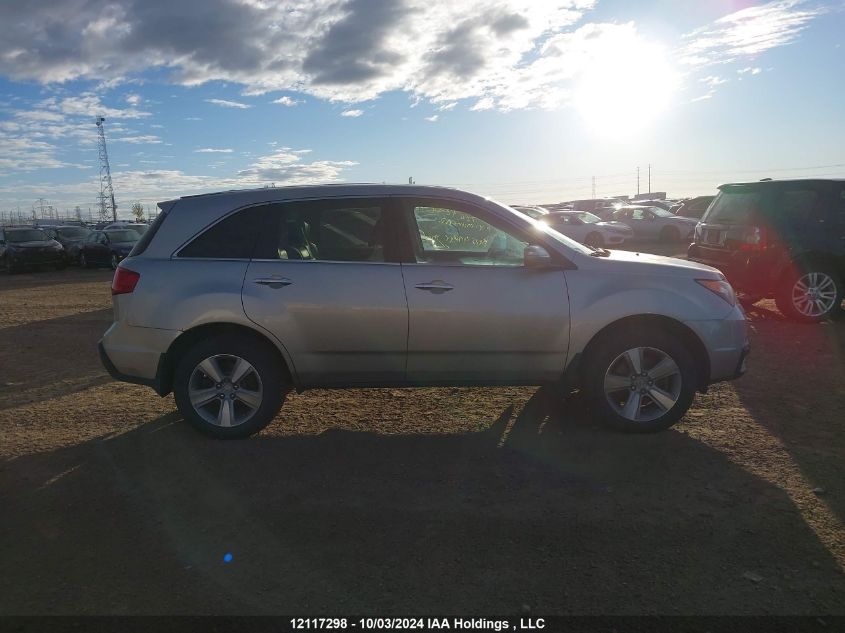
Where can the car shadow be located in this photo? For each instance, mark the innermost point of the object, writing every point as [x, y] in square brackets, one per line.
[540, 509]
[71, 341]
[802, 400]
[41, 277]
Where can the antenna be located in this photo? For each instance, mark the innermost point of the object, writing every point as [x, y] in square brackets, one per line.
[106, 197]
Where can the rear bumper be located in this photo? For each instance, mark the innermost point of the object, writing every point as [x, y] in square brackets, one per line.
[137, 355]
[746, 272]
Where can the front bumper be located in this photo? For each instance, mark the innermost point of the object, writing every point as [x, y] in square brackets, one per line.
[726, 341]
[44, 258]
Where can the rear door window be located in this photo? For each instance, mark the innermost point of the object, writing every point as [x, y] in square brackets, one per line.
[342, 230]
[799, 207]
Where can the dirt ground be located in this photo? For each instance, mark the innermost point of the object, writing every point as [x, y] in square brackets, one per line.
[412, 501]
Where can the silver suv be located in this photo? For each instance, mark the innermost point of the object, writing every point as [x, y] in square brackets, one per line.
[232, 299]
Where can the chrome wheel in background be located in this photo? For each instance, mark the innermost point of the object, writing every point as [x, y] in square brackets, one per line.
[814, 294]
[642, 384]
[225, 390]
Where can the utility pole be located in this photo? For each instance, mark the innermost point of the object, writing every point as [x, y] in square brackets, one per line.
[106, 197]
[594, 187]
[638, 180]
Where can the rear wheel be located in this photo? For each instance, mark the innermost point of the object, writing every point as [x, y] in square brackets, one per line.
[810, 294]
[670, 234]
[10, 267]
[229, 386]
[595, 240]
[640, 381]
[83, 261]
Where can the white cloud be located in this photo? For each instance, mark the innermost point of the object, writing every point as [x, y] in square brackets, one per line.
[713, 81]
[283, 167]
[212, 150]
[286, 101]
[138, 140]
[133, 99]
[229, 104]
[432, 118]
[748, 33]
[749, 70]
[352, 113]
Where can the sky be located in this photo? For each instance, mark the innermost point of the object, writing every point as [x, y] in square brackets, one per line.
[525, 101]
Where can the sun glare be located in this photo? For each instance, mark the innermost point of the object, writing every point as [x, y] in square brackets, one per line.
[626, 87]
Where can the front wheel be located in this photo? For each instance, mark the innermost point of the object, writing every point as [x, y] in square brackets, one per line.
[229, 386]
[810, 294]
[640, 381]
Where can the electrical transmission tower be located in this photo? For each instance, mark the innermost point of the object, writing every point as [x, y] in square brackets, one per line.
[108, 209]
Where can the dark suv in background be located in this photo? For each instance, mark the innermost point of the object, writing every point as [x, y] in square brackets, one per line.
[782, 239]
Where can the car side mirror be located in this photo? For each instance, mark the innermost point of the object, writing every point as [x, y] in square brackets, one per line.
[536, 257]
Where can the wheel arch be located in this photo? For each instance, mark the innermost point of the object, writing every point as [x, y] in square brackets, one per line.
[184, 341]
[643, 321]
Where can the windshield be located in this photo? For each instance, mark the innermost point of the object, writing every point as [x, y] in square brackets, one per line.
[734, 205]
[123, 236]
[26, 235]
[73, 233]
[589, 218]
[661, 213]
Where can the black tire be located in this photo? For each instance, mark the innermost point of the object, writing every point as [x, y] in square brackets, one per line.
[266, 364]
[595, 240]
[784, 294]
[10, 268]
[83, 261]
[603, 358]
[670, 234]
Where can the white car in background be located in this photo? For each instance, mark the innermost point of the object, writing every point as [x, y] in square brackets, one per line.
[587, 228]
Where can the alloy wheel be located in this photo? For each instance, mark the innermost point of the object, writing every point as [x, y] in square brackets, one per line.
[642, 384]
[814, 294]
[225, 390]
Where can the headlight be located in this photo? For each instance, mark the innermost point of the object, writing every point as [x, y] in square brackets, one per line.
[721, 288]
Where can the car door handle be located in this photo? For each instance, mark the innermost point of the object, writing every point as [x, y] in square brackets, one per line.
[436, 286]
[273, 282]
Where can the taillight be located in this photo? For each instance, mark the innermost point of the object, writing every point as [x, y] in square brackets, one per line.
[124, 281]
[754, 239]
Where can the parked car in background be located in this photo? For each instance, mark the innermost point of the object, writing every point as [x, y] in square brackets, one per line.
[588, 228]
[782, 239]
[597, 205]
[653, 223]
[107, 248]
[534, 212]
[231, 300]
[138, 227]
[662, 204]
[28, 247]
[694, 207]
[70, 237]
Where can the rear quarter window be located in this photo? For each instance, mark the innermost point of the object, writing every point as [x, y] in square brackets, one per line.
[148, 235]
[233, 237]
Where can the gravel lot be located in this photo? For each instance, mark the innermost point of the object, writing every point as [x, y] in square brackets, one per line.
[412, 501]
